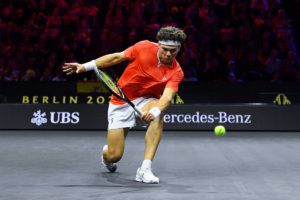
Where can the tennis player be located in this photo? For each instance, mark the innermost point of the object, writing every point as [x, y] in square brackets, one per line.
[150, 81]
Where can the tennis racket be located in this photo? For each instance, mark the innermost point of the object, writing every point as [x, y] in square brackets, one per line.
[113, 87]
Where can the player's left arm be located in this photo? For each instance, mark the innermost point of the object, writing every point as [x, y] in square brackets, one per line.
[162, 104]
[166, 99]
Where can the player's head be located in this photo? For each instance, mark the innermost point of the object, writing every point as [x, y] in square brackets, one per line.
[169, 39]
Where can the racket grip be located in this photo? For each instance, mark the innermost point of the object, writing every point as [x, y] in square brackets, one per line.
[138, 112]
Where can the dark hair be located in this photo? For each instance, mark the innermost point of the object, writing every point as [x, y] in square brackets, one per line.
[171, 33]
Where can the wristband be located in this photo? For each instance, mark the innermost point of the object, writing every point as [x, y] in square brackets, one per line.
[90, 65]
[155, 112]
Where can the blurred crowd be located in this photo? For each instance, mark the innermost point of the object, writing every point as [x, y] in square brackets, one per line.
[228, 40]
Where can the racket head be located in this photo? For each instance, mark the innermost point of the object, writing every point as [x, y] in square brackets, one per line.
[109, 83]
[113, 87]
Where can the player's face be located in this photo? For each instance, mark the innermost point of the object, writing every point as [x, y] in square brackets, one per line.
[166, 53]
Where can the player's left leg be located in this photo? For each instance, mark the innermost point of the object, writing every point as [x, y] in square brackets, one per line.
[152, 140]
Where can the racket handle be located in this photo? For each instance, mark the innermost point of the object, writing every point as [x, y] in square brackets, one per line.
[138, 111]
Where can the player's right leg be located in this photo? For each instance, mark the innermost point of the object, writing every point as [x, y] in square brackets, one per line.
[113, 151]
[120, 119]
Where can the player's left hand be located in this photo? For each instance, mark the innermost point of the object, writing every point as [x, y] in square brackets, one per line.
[147, 117]
[153, 113]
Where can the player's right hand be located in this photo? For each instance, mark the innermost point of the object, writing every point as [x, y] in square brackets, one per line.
[73, 68]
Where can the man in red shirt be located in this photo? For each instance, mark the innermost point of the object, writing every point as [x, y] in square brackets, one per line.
[150, 81]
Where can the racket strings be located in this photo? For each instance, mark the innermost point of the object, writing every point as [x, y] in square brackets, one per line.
[111, 84]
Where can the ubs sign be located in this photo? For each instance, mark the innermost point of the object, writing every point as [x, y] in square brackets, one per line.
[39, 118]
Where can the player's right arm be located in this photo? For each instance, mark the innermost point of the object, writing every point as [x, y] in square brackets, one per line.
[102, 62]
[110, 59]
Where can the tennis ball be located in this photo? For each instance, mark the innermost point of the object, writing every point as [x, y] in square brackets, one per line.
[220, 130]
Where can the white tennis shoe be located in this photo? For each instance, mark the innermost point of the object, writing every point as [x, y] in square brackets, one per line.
[112, 167]
[146, 176]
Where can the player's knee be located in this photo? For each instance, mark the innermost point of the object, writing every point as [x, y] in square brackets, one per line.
[114, 156]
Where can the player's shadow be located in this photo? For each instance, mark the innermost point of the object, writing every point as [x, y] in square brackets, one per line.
[118, 180]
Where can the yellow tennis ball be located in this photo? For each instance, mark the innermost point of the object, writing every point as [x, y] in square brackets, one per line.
[220, 130]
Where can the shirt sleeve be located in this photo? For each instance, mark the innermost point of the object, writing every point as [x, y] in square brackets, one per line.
[130, 53]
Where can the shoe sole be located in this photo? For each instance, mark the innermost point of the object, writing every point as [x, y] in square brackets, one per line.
[138, 179]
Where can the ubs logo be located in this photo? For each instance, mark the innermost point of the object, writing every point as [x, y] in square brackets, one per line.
[39, 118]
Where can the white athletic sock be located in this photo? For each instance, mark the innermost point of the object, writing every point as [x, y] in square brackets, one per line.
[146, 164]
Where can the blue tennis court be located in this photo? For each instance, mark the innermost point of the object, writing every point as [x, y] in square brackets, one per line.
[190, 165]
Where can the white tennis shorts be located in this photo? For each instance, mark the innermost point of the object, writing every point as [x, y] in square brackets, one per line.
[124, 116]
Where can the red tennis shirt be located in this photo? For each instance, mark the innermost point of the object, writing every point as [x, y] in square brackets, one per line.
[144, 76]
